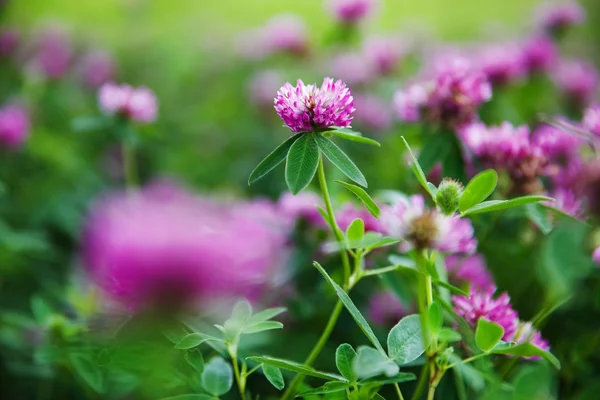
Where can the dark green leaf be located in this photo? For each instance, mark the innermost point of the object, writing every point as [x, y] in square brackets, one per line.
[296, 367]
[448, 335]
[370, 362]
[496, 205]
[262, 326]
[538, 214]
[191, 397]
[401, 377]
[302, 162]
[405, 340]
[340, 160]
[329, 387]
[433, 151]
[451, 288]
[528, 350]
[434, 318]
[217, 377]
[487, 334]
[417, 170]
[325, 217]
[41, 310]
[195, 359]
[273, 159]
[478, 189]
[383, 242]
[273, 375]
[364, 197]
[358, 317]
[174, 335]
[192, 340]
[354, 136]
[344, 359]
[87, 370]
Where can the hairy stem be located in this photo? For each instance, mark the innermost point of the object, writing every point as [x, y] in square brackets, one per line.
[241, 382]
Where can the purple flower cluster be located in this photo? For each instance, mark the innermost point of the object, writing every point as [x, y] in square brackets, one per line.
[284, 33]
[385, 308]
[309, 107]
[539, 54]
[349, 212]
[502, 63]
[138, 104]
[163, 247]
[352, 11]
[578, 80]
[591, 119]
[97, 68]
[372, 113]
[303, 205]
[451, 99]
[421, 228]
[14, 126]
[596, 255]
[9, 41]
[470, 270]
[555, 17]
[53, 54]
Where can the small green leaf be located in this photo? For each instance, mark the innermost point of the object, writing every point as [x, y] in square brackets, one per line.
[417, 170]
[354, 136]
[296, 367]
[383, 242]
[302, 162]
[87, 370]
[370, 362]
[192, 340]
[325, 217]
[433, 151]
[434, 318]
[41, 310]
[432, 190]
[448, 335]
[344, 359]
[364, 197]
[195, 359]
[273, 159]
[242, 311]
[266, 315]
[262, 326]
[538, 214]
[405, 340]
[487, 334]
[355, 231]
[192, 396]
[529, 350]
[175, 334]
[340, 160]
[451, 288]
[358, 317]
[401, 377]
[273, 375]
[496, 205]
[217, 377]
[478, 189]
[329, 387]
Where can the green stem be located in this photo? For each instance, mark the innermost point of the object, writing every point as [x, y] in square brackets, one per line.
[291, 390]
[236, 371]
[336, 229]
[467, 360]
[421, 383]
[398, 392]
[129, 166]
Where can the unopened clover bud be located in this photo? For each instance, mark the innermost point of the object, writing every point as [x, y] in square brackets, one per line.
[448, 195]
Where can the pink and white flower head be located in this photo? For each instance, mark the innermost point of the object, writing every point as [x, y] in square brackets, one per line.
[352, 11]
[53, 54]
[421, 228]
[309, 107]
[578, 80]
[353, 67]
[556, 17]
[97, 68]
[539, 54]
[596, 255]
[482, 304]
[385, 308]
[383, 52]
[591, 119]
[556, 143]
[262, 86]
[168, 249]
[451, 99]
[9, 41]
[471, 270]
[14, 126]
[349, 212]
[501, 63]
[303, 205]
[372, 113]
[285, 33]
[138, 104]
[566, 201]
[526, 333]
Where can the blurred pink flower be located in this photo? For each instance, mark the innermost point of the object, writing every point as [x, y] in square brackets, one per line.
[421, 228]
[139, 104]
[9, 40]
[309, 107]
[262, 86]
[349, 212]
[97, 68]
[591, 119]
[385, 308]
[353, 67]
[501, 63]
[555, 17]
[14, 126]
[566, 201]
[539, 54]
[471, 270]
[285, 33]
[383, 52]
[578, 80]
[53, 54]
[372, 113]
[596, 255]
[482, 304]
[303, 205]
[352, 11]
[163, 247]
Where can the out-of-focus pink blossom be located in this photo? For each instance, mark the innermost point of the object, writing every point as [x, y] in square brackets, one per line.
[14, 126]
[303, 205]
[385, 308]
[470, 270]
[451, 99]
[165, 249]
[262, 86]
[383, 52]
[349, 212]
[9, 40]
[353, 67]
[591, 119]
[309, 107]
[352, 11]
[97, 68]
[539, 54]
[557, 143]
[372, 113]
[555, 17]
[53, 54]
[578, 80]
[566, 201]
[596, 255]
[501, 63]
[422, 228]
[138, 104]
[526, 333]
[483, 305]
[284, 33]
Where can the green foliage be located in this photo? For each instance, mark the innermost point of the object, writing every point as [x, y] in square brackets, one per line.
[497, 205]
[434, 318]
[355, 231]
[340, 160]
[405, 340]
[364, 197]
[301, 164]
[196, 360]
[217, 378]
[87, 371]
[478, 189]
[344, 360]
[296, 367]
[275, 158]
[370, 362]
[418, 171]
[527, 350]
[487, 334]
[354, 136]
[273, 375]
